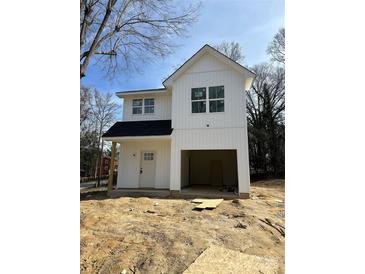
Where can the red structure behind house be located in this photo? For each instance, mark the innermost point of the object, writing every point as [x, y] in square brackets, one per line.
[105, 165]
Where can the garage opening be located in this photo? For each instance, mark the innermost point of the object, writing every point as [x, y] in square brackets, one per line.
[209, 172]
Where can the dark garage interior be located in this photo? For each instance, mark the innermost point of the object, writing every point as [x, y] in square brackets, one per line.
[209, 171]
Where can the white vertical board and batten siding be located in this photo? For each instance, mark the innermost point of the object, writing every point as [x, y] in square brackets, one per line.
[206, 139]
[130, 159]
[162, 107]
[227, 130]
[208, 72]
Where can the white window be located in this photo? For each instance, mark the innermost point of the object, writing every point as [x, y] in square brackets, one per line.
[216, 99]
[149, 105]
[143, 106]
[137, 106]
[148, 156]
[198, 100]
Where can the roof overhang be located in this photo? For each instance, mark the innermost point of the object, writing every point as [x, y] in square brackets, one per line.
[245, 72]
[123, 94]
[249, 81]
[137, 138]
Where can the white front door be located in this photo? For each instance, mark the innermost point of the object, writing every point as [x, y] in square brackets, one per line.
[147, 169]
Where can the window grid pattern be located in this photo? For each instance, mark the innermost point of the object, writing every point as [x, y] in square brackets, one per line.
[143, 106]
[137, 106]
[149, 105]
[216, 99]
[148, 156]
[198, 100]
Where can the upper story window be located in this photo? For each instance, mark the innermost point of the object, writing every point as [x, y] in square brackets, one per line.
[216, 99]
[198, 100]
[137, 106]
[140, 106]
[149, 105]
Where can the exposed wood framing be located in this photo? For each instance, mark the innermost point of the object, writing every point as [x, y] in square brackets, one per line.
[111, 169]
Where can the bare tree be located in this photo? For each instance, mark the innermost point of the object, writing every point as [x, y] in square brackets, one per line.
[267, 94]
[265, 117]
[103, 110]
[85, 107]
[276, 48]
[232, 49]
[114, 32]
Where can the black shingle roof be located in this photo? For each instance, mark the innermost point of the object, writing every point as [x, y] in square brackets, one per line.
[140, 128]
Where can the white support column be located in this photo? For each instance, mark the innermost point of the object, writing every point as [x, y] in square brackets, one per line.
[243, 173]
[243, 167]
[175, 166]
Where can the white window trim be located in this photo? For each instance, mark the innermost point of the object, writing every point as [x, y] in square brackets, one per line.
[216, 99]
[198, 100]
[149, 113]
[143, 106]
[207, 100]
[133, 107]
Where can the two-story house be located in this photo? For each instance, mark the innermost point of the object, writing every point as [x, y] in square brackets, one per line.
[190, 134]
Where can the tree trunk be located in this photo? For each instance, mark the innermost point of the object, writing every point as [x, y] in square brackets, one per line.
[97, 167]
[100, 161]
[94, 44]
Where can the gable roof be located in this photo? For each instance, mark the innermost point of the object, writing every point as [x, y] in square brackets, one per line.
[207, 48]
[188, 63]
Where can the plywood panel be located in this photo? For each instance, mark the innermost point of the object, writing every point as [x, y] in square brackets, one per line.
[220, 260]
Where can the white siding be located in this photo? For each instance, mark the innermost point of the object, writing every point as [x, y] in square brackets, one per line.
[129, 163]
[206, 63]
[219, 138]
[208, 71]
[226, 130]
[162, 107]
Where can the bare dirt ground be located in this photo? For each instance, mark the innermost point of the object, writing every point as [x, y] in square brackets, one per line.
[162, 235]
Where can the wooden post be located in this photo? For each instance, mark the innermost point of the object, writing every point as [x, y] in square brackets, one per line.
[111, 169]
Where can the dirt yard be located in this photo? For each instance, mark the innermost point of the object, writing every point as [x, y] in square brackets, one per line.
[162, 235]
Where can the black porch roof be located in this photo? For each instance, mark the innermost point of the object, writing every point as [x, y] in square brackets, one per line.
[140, 128]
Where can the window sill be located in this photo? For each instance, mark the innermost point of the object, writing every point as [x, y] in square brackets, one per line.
[142, 114]
[206, 113]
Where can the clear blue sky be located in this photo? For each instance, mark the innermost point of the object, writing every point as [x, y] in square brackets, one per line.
[252, 23]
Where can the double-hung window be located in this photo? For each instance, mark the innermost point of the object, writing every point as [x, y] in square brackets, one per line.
[137, 106]
[149, 105]
[146, 106]
[198, 100]
[216, 99]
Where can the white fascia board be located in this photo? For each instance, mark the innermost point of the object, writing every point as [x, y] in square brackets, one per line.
[125, 94]
[220, 56]
[248, 82]
[239, 68]
[176, 74]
